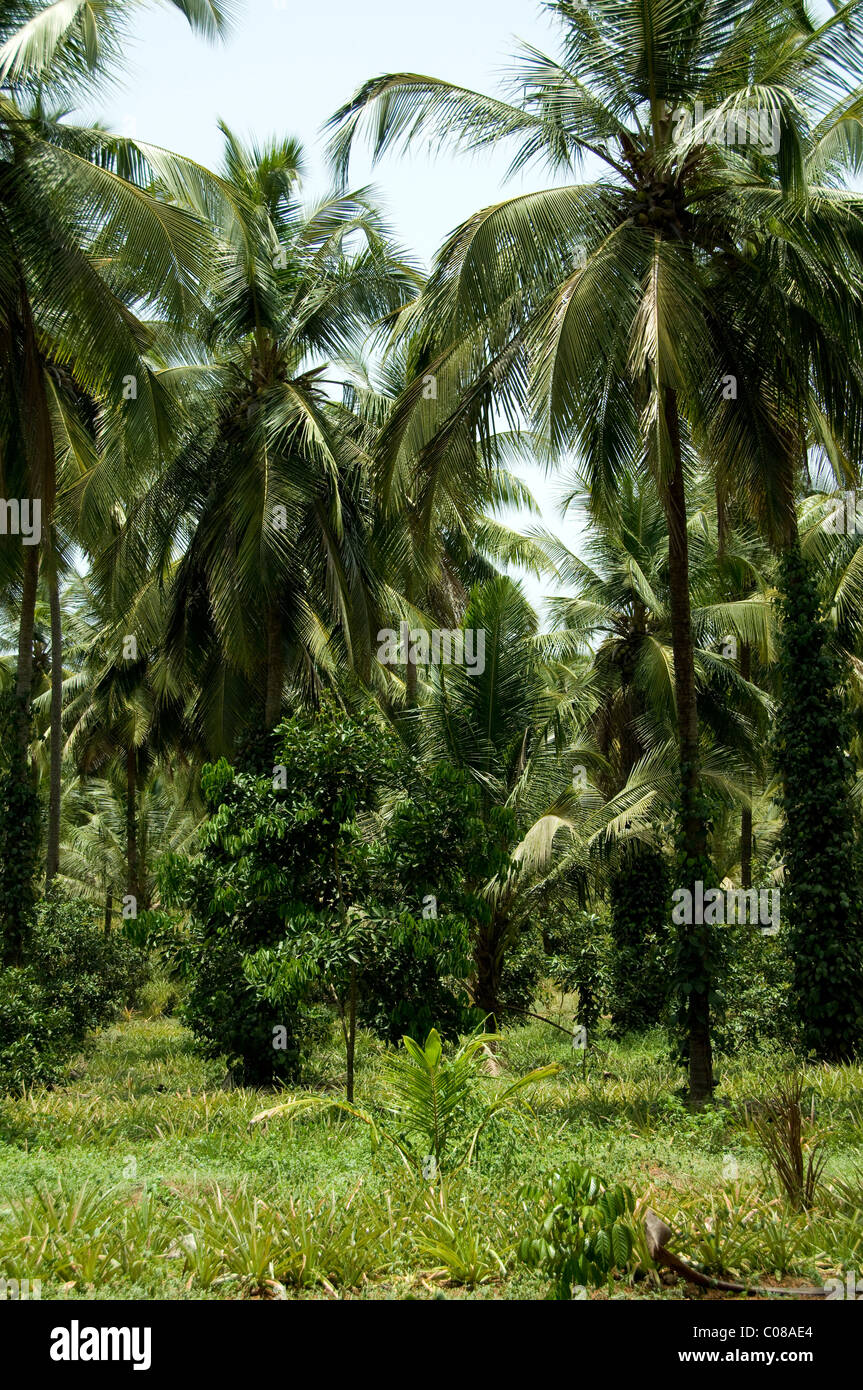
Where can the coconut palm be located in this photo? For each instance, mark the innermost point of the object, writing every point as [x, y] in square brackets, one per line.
[76, 209]
[609, 288]
[94, 846]
[438, 478]
[265, 498]
[506, 721]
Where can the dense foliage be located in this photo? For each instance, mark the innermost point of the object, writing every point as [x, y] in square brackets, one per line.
[275, 704]
[824, 901]
[73, 978]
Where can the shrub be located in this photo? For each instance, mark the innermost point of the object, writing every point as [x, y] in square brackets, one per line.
[580, 951]
[74, 978]
[757, 993]
[84, 971]
[304, 893]
[582, 1229]
[268, 895]
[638, 897]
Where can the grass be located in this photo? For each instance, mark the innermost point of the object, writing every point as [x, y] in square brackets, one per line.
[142, 1178]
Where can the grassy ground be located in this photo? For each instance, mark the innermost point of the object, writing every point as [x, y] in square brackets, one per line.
[142, 1178]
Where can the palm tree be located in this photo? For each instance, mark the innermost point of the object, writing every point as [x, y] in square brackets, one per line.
[74, 209]
[94, 847]
[506, 724]
[265, 499]
[441, 470]
[604, 293]
[618, 606]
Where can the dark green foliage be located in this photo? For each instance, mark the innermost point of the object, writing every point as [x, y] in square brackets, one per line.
[579, 959]
[757, 993]
[821, 899]
[20, 838]
[638, 896]
[583, 1230]
[280, 856]
[525, 966]
[86, 971]
[74, 978]
[307, 893]
[436, 853]
[699, 951]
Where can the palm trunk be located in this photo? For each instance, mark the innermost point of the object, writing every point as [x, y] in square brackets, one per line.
[410, 682]
[41, 469]
[24, 683]
[52, 857]
[109, 909]
[746, 813]
[487, 976]
[275, 670]
[693, 824]
[132, 822]
[352, 1031]
[21, 832]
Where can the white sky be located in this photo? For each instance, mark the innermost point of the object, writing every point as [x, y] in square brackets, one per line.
[290, 64]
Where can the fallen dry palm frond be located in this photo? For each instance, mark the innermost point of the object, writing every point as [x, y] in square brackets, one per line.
[658, 1236]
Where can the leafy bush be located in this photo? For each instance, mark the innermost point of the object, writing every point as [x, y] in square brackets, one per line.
[524, 968]
[580, 960]
[582, 1231]
[757, 993]
[75, 977]
[279, 860]
[433, 858]
[83, 970]
[638, 897]
[348, 876]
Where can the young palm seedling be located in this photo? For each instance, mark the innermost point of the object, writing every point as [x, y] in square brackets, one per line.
[432, 1097]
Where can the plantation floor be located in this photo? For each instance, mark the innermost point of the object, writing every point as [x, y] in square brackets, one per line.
[142, 1178]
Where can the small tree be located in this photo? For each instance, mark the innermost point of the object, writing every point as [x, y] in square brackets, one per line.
[346, 874]
[638, 895]
[390, 932]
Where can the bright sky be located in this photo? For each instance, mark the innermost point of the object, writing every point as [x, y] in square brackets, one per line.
[290, 64]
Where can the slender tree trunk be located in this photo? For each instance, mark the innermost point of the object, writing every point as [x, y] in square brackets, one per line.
[41, 469]
[21, 831]
[746, 813]
[487, 976]
[694, 827]
[410, 680]
[132, 822]
[109, 909]
[52, 857]
[275, 670]
[352, 1031]
[410, 663]
[24, 683]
